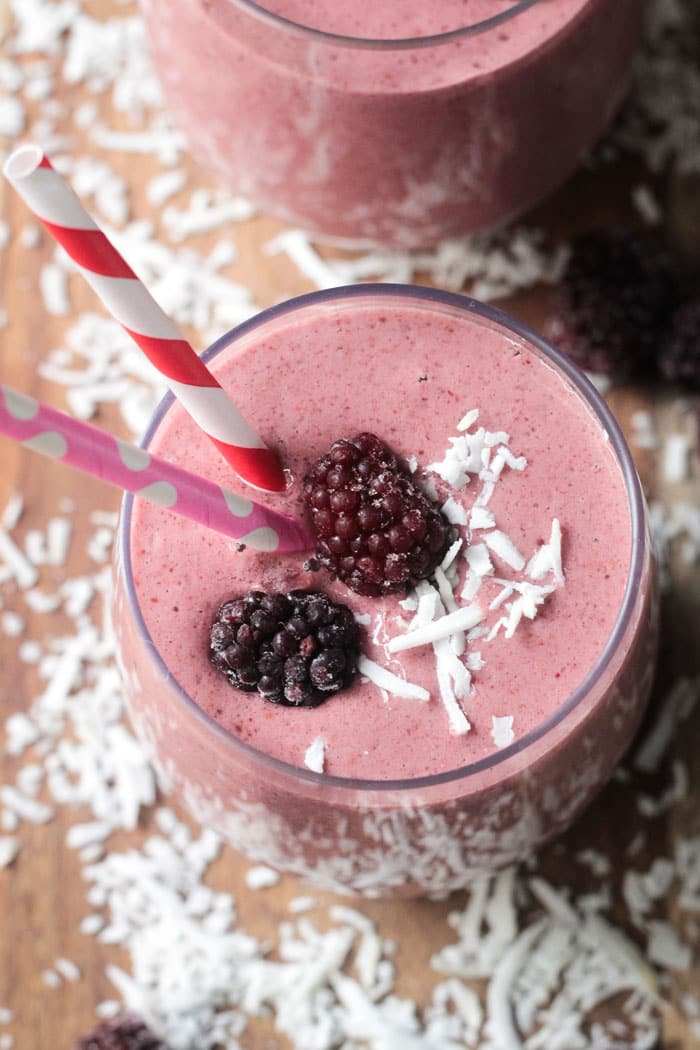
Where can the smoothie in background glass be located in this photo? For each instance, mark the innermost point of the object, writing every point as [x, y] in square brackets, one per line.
[404, 804]
[396, 123]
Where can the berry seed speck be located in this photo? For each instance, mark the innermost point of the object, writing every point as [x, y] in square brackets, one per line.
[295, 649]
[376, 529]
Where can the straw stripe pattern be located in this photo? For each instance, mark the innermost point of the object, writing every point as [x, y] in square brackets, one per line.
[90, 250]
[181, 366]
[55, 204]
[80, 445]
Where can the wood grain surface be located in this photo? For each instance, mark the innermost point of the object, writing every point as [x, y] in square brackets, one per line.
[41, 894]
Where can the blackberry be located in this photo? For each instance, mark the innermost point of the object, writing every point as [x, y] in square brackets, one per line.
[295, 649]
[679, 350]
[375, 528]
[125, 1033]
[613, 302]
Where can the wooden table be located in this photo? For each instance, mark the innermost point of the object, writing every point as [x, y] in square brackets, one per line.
[41, 895]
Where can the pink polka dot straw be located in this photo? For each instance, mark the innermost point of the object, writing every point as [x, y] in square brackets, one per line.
[129, 467]
[55, 204]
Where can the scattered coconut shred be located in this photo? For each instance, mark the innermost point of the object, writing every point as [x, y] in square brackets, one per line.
[525, 964]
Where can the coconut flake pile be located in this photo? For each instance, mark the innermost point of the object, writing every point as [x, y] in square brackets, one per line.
[526, 961]
[446, 612]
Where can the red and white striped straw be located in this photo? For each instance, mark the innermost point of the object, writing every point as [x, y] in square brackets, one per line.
[55, 204]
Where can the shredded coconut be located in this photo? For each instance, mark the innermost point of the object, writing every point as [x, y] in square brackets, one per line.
[261, 878]
[445, 626]
[204, 214]
[502, 730]
[16, 563]
[12, 116]
[315, 755]
[391, 683]
[161, 187]
[675, 458]
[9, 848]
[67, 969]
[666, 949]
[677, 706]
[54, 289]
[647, 205]
[504, 548]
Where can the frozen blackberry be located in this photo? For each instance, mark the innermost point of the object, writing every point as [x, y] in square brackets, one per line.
[295, 649]
[613, 302]
[376, 530]
[125, 1033]
[679, 350]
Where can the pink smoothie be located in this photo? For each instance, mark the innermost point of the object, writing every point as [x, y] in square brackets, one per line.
[398, 142]
[409, 370]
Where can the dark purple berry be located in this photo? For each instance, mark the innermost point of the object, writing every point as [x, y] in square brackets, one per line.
[126, 1033]
[679, 350]
[295, 669]
[376, 529]
[222, 636]
[327, 669]
[613, 302]
[284, 643]
[301, 694]
[295, 649]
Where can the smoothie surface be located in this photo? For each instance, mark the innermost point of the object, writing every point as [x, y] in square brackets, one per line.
[409, 374]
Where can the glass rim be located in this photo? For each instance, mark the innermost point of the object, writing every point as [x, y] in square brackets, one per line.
[263, 13]
[584, 387]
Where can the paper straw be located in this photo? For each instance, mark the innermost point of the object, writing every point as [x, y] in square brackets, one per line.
[55, 204]
[127, 466]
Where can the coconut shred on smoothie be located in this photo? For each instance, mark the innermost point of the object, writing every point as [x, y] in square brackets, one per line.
[490, 654]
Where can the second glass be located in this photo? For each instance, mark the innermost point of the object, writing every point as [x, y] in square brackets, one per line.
[393, 123]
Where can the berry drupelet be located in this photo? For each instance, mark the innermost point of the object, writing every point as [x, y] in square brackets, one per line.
[679, 350]
[295, 649]
[375, 528]
[125, 1033]
[612, 303]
